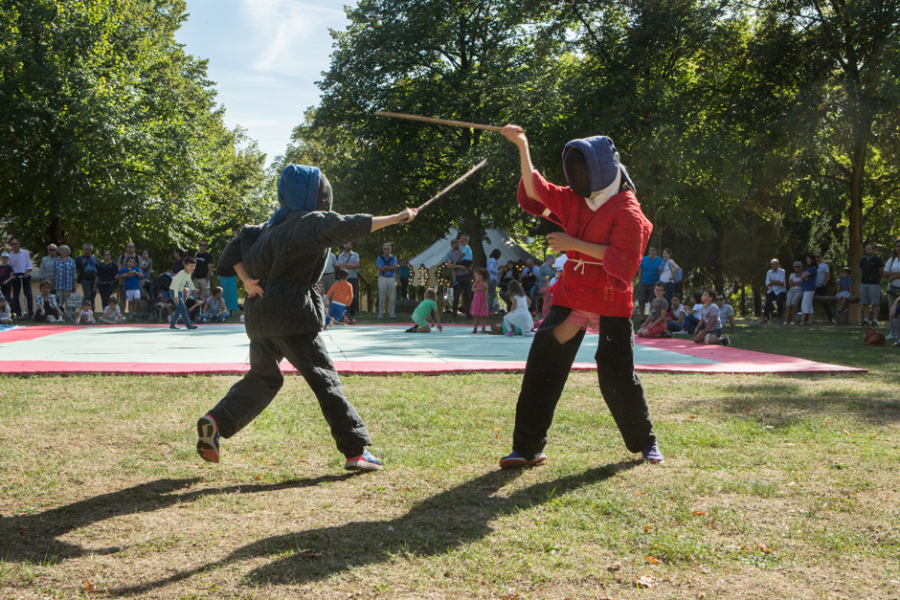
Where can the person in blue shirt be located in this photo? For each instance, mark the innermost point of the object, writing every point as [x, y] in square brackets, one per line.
[809, 290]
[648, 275]
[387, 282]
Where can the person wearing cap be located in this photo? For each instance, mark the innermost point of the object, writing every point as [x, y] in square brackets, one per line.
[777, 292]
[20, 261]
[794, 294]
[605, 234]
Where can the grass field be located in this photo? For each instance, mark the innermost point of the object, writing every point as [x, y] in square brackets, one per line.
[773, 487]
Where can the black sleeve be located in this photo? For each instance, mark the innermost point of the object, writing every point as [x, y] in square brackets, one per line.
[332, 229]
[231, 256]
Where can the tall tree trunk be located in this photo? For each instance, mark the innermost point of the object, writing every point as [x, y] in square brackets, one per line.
[476, 239]
[862, 131]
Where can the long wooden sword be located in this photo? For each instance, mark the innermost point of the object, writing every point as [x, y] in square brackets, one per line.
[454, 184]
[438, 121]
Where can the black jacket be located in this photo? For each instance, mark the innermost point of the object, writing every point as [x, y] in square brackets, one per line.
[288, 259]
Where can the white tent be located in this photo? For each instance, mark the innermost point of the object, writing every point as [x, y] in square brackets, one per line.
[437, 252]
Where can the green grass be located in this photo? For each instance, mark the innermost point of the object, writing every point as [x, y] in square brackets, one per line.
[773, 487]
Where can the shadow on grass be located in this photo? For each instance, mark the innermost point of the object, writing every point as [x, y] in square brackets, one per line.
[458, 516]
[33, 536]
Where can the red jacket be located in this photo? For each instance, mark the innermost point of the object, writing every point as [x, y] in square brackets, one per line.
[619, 224]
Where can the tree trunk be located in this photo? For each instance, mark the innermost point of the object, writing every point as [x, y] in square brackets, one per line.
[862, 130]
[476, 239]
[757, 301]
[743, 300]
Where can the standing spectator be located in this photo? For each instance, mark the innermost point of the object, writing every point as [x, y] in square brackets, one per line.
[892, 274]
[647, 275]
[64, 279]
[48, 263]
[405, 273]
[795, 294]
[106, 277]
[20, 261]
[330, 269]
[872, 268]
[387, 282]
[726, 313]
[178, 265]
[668, 274]
[132, 275]
[809, 290]
[349, 261]
[493, 268]
[145, 264]
[46, 310]
[823, 276]
[776, 293]
[6, 276]
[462, 280]
[529, 279]
[121, 262]
[86, 267]
[204, 271]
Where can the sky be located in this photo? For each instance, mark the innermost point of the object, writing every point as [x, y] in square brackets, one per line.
[265, 57]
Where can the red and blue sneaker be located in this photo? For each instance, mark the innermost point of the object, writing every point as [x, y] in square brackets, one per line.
[363, 462]
[208, 442]
[517, 461]
[652, 454]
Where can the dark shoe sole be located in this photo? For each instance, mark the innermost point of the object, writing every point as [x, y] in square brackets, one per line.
[206, 444]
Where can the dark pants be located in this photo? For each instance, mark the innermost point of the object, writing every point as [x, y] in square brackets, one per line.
[821, 291]
[532, 293]
[462, 288]
[549, 363]
[20, 284]
[106, 290]
[779, 300]
[404, 286]
[351, 310]
[251, 395]
[670, 291]
[89, 290]
[180, 312]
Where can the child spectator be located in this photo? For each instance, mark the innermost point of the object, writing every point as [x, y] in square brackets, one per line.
[111, 314]
[164, 307]
[6, 276]
[794, 294]
[845, 284]
[678, 323]
[181, 280]
[46, 309]
[709, 329]
[5, 313]
[518, 316]
[214, 308]
[106, 277]
[405, 273]
[132, 276]
[341, 295]
[86, 316]
[422, 315]
[64, 278]
[479, 308]
[655, 325]
[809, 290]
[726, 313]
[194, 304]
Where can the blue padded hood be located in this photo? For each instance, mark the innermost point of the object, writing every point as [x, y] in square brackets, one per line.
[602, 160]
[298, 190]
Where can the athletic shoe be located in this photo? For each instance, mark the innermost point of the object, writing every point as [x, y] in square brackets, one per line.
[192, 327]
[864, 323]
[726, 341]
[508, 334]
[874, 324]
[412, 329]
[208, 442]
[514, 460]
[664, 334]
[172, 327]
[889, 336]
[363, 462]
[653, 455]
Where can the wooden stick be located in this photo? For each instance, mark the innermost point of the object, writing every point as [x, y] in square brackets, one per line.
[438, 121]
[454, 184]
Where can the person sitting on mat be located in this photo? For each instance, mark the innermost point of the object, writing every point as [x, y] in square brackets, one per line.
[340, 295]
[422, 315]
[280, 262]
[518, 318]
[655, 325]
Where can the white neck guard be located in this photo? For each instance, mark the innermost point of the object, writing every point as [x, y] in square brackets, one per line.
[598, 199]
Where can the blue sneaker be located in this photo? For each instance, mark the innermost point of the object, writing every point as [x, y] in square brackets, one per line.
[653, 455]
[363, 462]
[208, 442]
[515, 460]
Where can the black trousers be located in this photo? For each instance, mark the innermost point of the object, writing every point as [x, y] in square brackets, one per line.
[547, 370]
[821, 291]
[462, 288]
[106, 291]
[22, 284]
[251, 395]
[779, 300]
[354, 304]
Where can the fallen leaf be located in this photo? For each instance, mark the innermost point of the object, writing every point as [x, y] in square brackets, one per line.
[699, 513]
[846, 432]
[89, 587]
[614, 567]
[646, 528]
[259, 477]
[651, 559]
[645, 581]
[404, 489]
[693, 416]
[762, 548]
[640, 493]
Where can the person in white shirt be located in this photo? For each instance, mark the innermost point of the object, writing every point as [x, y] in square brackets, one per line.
[726, 313]
[823, 276]
[892, 274]
[20, 261]
[794, 294]
[777, 292]
[668, 272]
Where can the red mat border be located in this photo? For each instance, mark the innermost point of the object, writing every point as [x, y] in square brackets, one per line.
[728, 361]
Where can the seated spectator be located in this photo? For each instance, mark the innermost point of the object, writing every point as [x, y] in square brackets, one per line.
[679, 314]
[340, 295]
[64, 279]
[426, 315]
[845, 284]
[193, 303]
[86, 316]
[776, 293]
[46, 308]
[507, 274]
[214, 309]
[693, 309]
[655, 325]
[5, 313]
[794, 294]
[726, 313]
[164, 306]
[529, 279]
[709, 329]
[519, 317]
[111, 314]
[6, 276]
